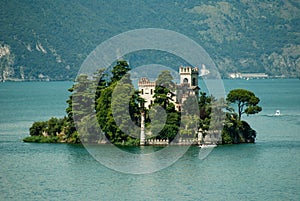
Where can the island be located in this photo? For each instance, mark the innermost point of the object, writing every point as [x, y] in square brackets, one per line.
[159, 112]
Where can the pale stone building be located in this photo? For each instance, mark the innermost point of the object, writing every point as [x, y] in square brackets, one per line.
[146, 89]
[188, 86]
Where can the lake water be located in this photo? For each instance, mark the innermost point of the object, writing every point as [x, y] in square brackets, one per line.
[266, 170]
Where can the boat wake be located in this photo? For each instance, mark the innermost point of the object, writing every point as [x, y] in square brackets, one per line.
[276, 114]
[205, 151]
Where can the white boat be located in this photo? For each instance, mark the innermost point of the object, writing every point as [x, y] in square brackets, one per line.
[277, 113]
[204, 146]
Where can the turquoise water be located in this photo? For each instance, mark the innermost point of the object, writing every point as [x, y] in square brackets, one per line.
[266, 170]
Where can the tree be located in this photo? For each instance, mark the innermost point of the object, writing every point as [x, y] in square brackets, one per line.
[165, 79]
[117, 106]
[246, 102]
[205, 110]
[83, 97]
[38, 128]
[124, 106]
[163, 97]
[119, 70]
[236, 131]
[163, 91]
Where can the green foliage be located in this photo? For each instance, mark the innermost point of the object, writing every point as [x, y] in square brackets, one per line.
[163, 91]
[83, 97]
[190, 106]
[73, 138]
[256, 36]
[165, 80]
[129, 142]
[217, 116]
[119, 70]
[41, 139]
[245, 100]
[81, 106]
[38, 128]
[205, 110]
[236, 131]
[192, 126]
[52, 127]
[247, 133]
[162, 98]
[227, 137]
[115, 119]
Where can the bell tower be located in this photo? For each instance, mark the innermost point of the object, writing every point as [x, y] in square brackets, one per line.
[189, 75]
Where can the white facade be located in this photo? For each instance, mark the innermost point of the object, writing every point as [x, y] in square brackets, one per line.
[189, 75]
[146, 89]
[188, 86]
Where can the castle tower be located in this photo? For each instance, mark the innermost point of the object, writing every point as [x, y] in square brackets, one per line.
[188, 82]
[147, 88]
[189, 75]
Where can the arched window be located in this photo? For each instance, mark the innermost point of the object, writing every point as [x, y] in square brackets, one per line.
[194, 82]
[151, 91]
[142, 91]
[185, 80]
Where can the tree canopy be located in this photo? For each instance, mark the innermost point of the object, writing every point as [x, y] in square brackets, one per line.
[163, 95]
[117, 107]
[245, 100]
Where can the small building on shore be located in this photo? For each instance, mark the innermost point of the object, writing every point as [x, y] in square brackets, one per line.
[248, 75]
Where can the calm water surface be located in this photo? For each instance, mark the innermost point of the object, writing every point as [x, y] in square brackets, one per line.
[266, 170]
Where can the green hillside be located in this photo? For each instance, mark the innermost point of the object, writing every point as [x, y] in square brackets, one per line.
[50, 39]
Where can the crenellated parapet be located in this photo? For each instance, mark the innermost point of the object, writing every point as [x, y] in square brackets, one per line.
[188, 70]
[145, 82]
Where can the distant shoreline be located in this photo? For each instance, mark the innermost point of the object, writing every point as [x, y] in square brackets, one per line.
[224, 78]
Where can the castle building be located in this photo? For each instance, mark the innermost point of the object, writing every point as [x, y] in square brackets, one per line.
[188, 86]
[146, 89]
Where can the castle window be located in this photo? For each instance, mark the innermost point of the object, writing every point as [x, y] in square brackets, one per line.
[142, 91]
[185, 80]
[194, 82]
[151, 91]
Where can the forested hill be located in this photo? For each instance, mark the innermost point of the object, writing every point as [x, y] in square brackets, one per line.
[50, 39]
